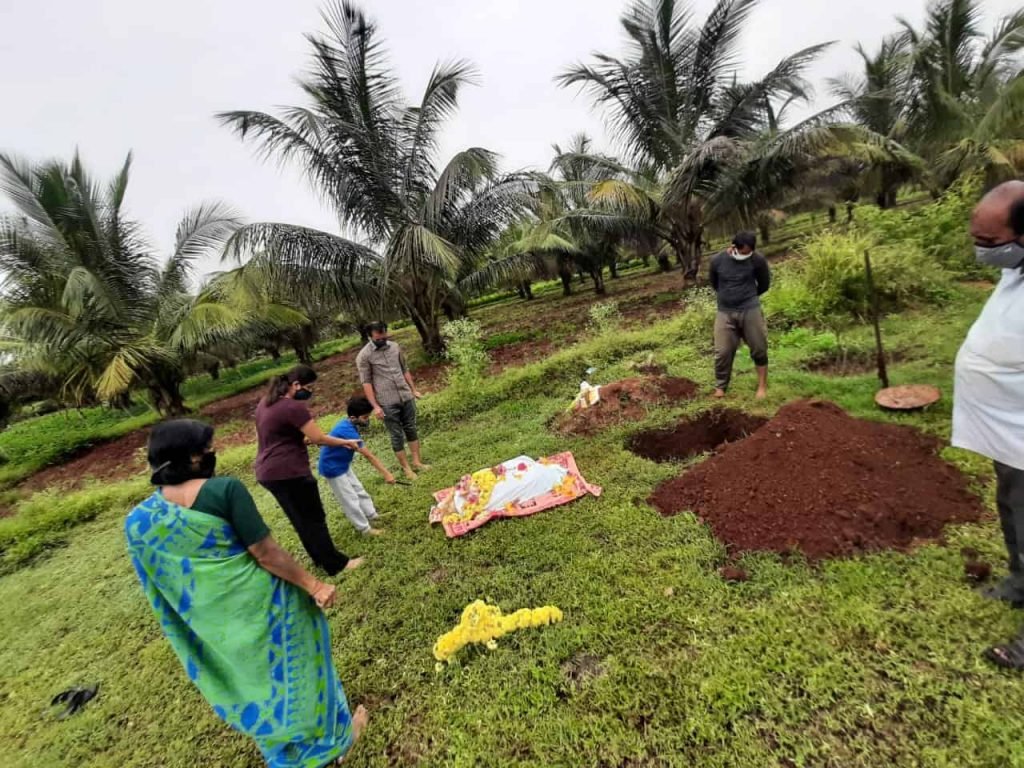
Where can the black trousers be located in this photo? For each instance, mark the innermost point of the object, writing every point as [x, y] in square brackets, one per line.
[1010, 500]
[299, 497]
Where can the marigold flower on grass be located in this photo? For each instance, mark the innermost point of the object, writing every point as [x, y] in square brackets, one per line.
[484, 624]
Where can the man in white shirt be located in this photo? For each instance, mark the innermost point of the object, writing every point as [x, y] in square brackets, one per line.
[988, 401]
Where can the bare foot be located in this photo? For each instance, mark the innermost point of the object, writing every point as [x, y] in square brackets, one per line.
[761, 393]
[410, 474]
[422, 467]
[359, 721]
[375, 532]
[351, 565]
[719, 394]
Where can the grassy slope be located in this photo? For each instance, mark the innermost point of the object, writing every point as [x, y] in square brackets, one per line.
[35, 443]
[866, 662]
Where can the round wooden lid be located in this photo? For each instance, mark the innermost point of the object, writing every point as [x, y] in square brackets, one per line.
[908, 397]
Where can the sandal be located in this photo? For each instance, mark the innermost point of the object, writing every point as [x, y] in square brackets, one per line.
[1007, 656]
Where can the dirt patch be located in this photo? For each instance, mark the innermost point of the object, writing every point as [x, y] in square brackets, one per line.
[580, 669]
[107, 462]
[816, 481]
[625, 400]
[850, 362]
[512, 355]
[732, 573]
[693, 437]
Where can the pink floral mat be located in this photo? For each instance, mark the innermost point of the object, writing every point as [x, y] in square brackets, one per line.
[580, 487]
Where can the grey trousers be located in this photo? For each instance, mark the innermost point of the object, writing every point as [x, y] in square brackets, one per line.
[400, 419]
[354, 500]
[730, 329]
[1010, 501]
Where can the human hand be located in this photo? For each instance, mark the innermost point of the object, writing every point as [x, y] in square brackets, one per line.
[378, 412]
[417, 394]
[352, 445]
[389, 478]
[324, 595]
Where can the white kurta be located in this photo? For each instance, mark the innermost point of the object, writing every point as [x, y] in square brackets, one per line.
[988, 396]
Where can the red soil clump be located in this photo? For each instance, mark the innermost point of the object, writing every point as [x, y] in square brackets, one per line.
[817, 481]
[625, 400]
[711, 430]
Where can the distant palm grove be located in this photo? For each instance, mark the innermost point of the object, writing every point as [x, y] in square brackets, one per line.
[90, 314]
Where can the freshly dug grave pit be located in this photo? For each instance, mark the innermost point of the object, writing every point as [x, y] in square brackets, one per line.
[692, 437]
[816, 481]
[625, 400]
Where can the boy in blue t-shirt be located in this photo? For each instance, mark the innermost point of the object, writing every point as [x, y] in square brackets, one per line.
[336, 466]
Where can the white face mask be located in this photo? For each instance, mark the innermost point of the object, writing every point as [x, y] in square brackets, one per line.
[734, 252]
[1006, 256]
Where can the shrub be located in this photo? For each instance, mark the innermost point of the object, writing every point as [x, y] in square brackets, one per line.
[605, 316]
[830, 279]
[464, 347]
[938, 229]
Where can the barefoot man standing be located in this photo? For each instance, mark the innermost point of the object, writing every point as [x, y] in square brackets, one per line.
[739, 276]
[390, 389]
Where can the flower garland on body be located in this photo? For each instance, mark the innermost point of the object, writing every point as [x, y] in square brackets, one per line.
[484, 624]
[476, 489]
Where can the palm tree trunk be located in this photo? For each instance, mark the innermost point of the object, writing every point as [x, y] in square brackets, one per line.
[613, 269]
[526, 290]
[831, 214]
[425, 310]
[598, 274]
[565, 275]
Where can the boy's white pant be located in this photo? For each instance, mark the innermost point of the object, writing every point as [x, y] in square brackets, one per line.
[354, 500]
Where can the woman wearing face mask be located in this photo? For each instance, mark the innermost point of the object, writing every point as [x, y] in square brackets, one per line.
[245, 620]
[283, 427]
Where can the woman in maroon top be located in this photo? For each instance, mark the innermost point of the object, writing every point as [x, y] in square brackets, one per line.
[283, 427]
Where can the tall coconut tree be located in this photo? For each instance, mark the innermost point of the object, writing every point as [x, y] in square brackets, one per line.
[374, 158]
[678, 108]
[83, 299]
[966, 96]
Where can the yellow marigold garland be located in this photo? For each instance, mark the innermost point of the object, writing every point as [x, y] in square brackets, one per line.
[484, 624]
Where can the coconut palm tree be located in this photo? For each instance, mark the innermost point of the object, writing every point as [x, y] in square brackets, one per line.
[679, 110]
[966, 89]
[83, 299]
[374, 158]
[879, 100]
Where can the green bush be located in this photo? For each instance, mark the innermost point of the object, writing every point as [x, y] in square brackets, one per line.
[830, 279]
[938, 229]
[465, 348]
[605, 316]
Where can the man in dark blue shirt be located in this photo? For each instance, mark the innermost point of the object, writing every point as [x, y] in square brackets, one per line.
[739, 276]
[336, 467]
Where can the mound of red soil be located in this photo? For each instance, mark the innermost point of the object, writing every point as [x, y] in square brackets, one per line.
[693, 437]
[817, 481]
[625, 400]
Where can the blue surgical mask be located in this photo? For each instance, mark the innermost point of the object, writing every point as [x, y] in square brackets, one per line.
[1006, 256]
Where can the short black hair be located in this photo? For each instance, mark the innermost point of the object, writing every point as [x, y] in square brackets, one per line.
[359, 406]
[378, 327]
[1017, 216]
[745, 240]
[172, 444]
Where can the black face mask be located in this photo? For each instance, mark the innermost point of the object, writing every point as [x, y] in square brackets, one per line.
[380, 343]
[207, 465]
[303, 394]
[360, 424]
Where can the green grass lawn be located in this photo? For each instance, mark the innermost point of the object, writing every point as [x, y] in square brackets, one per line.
[867, 662]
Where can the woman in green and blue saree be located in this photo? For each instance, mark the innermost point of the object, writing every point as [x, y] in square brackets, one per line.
[245, 620]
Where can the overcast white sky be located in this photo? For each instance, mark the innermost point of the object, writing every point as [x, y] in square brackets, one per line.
[110, 76]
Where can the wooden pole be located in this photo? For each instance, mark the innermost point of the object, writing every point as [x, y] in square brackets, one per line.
[883, 375]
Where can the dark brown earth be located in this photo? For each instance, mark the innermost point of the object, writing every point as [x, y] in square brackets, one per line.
[692, 437]
[814, 480]
[625, 400]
